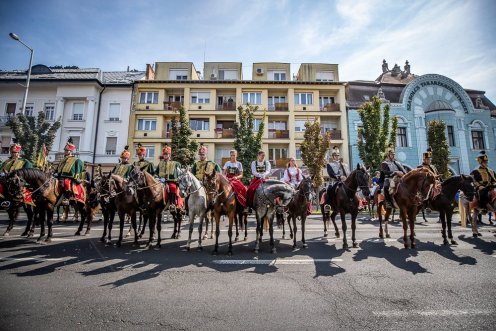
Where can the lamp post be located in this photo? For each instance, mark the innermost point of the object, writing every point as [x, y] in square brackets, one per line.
[16, 37]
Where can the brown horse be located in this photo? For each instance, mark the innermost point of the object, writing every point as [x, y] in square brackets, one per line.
[151, 201]
[342, 197]
[107, 204]
[325, 209]
[224, 203]
[411, 191]
[475, 206]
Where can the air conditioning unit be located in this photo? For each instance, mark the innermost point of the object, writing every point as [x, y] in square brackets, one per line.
[213, 77]
[260, 71]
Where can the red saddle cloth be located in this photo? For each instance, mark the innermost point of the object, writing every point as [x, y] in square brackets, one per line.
[77, 190]
[171, 188]
[26, 193]
[239, 190]
[250, 193]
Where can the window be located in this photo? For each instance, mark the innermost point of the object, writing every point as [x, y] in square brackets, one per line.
[199, 124]
[178, 74]
[323, 101]
[226, 74]
[324, 76]
[273, 100]
[10, 108]
[6, 144]
[276, 75]
[256, 124]
[253, 98]
[149, 97]
[298, 153]
[146, 125]
[451, 136]
[114, 111]
[200, 97]
[77, 111]
[300, 125]
[303, 98]
[75, 141]
[150, 151]
[327, 126]
[401, 138]
[478, 139]
[49, 111]
[29, 109]
[278, 125]
[111, 146]
[176, 98]
[276, 154]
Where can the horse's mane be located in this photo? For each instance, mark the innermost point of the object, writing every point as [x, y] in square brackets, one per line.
[413, 173]
[30, 174]
[450, 180]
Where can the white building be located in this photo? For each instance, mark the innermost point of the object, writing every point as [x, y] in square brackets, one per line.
[94, 107]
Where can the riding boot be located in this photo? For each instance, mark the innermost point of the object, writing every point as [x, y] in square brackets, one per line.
[387, 197]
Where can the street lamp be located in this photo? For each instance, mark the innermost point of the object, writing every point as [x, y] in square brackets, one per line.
[16, 37]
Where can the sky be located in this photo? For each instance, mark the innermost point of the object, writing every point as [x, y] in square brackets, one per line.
[453, 38]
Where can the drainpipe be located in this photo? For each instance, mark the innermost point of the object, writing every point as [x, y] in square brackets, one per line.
[96, 130]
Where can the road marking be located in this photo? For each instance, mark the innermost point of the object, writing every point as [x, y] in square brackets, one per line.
[39, 259]
[275, 261]
[435, 313]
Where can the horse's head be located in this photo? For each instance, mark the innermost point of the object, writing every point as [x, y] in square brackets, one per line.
[467, 187]
[137, 177]
[425, 180]
[14, 187]
[210, 182]
[306, 188]
[184, 181]
[362, 179]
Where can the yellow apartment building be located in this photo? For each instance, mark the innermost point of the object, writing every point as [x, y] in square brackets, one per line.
[211, 101]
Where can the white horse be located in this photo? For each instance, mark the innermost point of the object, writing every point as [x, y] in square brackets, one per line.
[191, 188]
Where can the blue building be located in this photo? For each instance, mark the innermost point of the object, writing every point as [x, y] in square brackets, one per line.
[469, 115]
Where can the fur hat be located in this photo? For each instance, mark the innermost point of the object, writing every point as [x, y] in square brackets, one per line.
[427, 154]
[482, 157]
[126, 154]
[203, 149]
[15, 148]
[166, 150]
[69, 146]
[390, 149]
[140, 150]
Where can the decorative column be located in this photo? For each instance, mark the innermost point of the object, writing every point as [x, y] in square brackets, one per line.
[88, 130]
[59, 112]
[462, 139]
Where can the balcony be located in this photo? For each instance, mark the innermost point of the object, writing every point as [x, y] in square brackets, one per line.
[279, 106]
[330, 107]
[226, 106]
[4, 120]
[278, 134]
[224, 133]
[166, 134]
[335, 134]
[172, 105]
[279, 163]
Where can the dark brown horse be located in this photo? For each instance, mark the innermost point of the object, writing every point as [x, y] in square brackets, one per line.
[342, 197]
[223, 203]
[444, 203]
[107, 204]
[325, 209]
[475, 206]
[411, 191]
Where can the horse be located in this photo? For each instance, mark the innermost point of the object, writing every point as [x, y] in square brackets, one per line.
[191, 187]
[107, 203]
[325, 209]
[444, 203]
[270, 196]
[224, 202]
[342, 197]
[475, 206]
[413, 188]
[126, 203]
[151, 201]
[298, 208]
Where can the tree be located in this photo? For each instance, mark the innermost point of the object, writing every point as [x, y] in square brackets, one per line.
[436, 139]
[373, 135]
[313, 150]
[247, 141]
[183, 148]
[31, 133]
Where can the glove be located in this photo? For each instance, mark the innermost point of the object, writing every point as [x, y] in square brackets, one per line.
[162, 180]
[55, 174]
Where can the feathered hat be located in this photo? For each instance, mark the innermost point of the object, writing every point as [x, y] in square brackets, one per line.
[482, 157]
[203, 149]
[167, 149]
[428, 153]
[15, 148]
[140, 150]
[69, 145]
[126, 154]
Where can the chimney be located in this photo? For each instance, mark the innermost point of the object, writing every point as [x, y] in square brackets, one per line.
[127, 68]
[150, 74]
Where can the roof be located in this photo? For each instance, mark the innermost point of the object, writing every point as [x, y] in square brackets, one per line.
[360, 91]
[122, 77]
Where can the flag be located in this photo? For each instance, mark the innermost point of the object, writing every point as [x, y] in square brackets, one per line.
[42, 159]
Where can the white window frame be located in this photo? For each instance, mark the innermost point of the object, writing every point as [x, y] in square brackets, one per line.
[252, 98]
[324, 76]
[275, 157]
[325, 100]
[298, 153]
[398, 142]
[278, 125]
[200, 97]
[114, 111]
[148, 97]
[49, 109]
[77, 111]
[29, 109]
[150, 151]
[199, 124]
[256, 124]
[178, 74]
[277, 75]
[327, 126]
[228, 74]
[146, 122]
[110, 151]
[303, 98]
[300, 124]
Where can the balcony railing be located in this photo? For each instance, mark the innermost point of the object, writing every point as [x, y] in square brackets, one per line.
[330, 107]
[280, 163]
[167, 134]
[278, 134]
[224, 133]
[172, 105]
[279, 106]
[226, 106]
[4, 120]
[335, 134]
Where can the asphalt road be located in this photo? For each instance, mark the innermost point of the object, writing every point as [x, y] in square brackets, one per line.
[80, 283]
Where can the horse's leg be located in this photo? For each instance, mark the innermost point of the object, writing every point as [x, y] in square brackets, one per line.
[442, 216]
[12, 212]
[405, 227]
[30, 213]
[303, 221]
[449, 217]
[81, 223]
[379, 216]
[411, 221]
[343, 226]
[122, 216]
[41, 217]
[475, 231]
[237, 222]
[291, 236]
[151, 228]
[245, 221]
[143, 221]
[353, 229]
[105, 223]
[386, 221]
[257, 230]
[231, 216]
[58, 215]
[135, 227]
[86, 213]
[159, 229]
[217, 233]
[281, 222]
[271, 233]
[324, 219]
[295, 228]
[423, 214]
[112, 212]
[191, 220]
[202, 217]
[333, 219]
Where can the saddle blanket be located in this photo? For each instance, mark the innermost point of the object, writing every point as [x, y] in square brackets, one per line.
[77, 190]
[171, 188]
[26, 193]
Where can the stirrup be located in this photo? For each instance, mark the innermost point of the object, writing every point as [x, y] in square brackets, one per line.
[5, 204]
[65, 202]
[327, 208]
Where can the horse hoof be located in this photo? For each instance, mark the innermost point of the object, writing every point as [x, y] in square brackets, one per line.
[6, 234]
[291, 237]
[118, 244]
[381, 236]
[102, 239]
[388, 236]
[87, 232]
[445, 242]
[48, 240]
[158, 246]
[200, 248]
[78, 233]
[205, 237]
[236, 239]
[214, 252]
[479, 234]
[345, 246]
[283, 237]
[24, 234]
[305, 246]
[187, 248]
[325, 234]
[355, 245]
[246, 238]
[255, 251]
[273, 250]
[337, 235]
[453, 242]
[474, 235]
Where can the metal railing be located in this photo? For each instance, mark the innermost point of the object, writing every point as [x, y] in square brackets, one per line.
[330, 107]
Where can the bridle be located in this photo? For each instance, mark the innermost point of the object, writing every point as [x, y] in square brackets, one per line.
[186, 177]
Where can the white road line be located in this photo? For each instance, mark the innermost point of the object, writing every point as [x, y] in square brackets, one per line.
[434, 313]
[275, 261]
[39, 259]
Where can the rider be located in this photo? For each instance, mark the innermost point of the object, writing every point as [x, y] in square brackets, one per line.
[70, 170]
[233, 170]
[427, 163]
[203, 165]
[485, 179]
[168, 172]
[145, 165]
[393, 170]
[124, 167]
[14, 162]
[260, 169]
[293, 177]
[336, 169]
